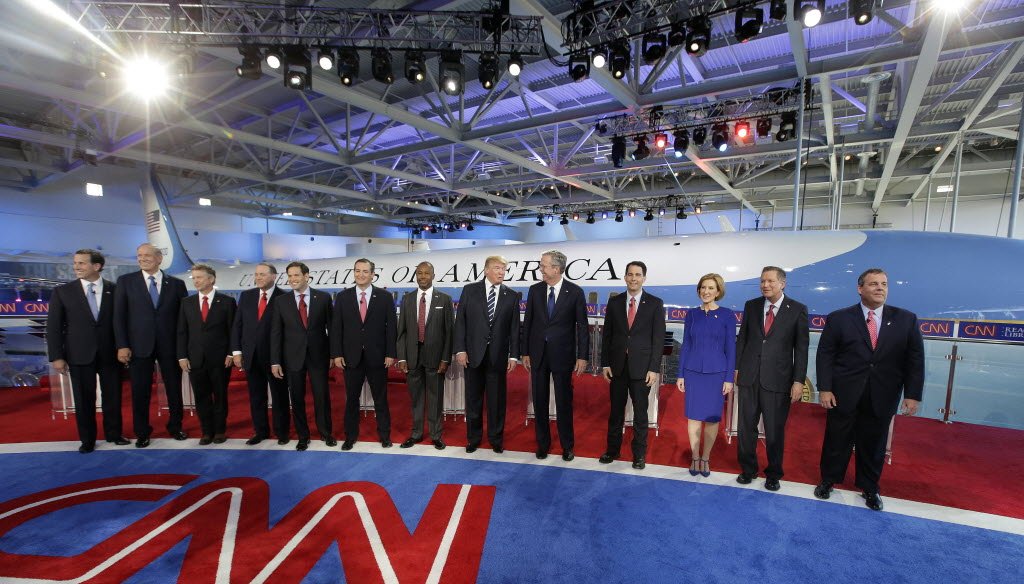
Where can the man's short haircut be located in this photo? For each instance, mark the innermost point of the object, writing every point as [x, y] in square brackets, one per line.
[156, 249]
[373, 266]
[95, 257]
[558, 259]
[779, 272]
[718, 280]
[301, 266]
[869, 272]
[495, 259]
[271, 267]
[204, 268]
[639, 264]
[425, 263]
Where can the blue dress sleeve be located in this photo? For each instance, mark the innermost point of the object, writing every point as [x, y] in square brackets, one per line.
[687, 345]
[730, 343]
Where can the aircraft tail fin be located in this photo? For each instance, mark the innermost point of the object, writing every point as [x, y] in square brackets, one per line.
[160, 229]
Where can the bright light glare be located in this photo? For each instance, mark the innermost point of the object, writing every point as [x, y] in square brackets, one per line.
[951, 5]
[599, 60]
[50, 9]
[146, 77]
[204, 202]
[812, 17]
[514, 69]
[93, 189]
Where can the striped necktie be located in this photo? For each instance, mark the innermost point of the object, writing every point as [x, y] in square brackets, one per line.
[492, 298]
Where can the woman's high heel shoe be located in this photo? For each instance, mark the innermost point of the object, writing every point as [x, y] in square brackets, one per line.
[694, 467]
[705, 470]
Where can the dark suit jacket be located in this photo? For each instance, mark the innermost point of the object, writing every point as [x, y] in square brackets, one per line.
[474, 333]
[437, 344]
[205, 344]
[350, 337]
[848, 367]
[249, 334]
[73, 334]
[567, 332]
[293, 346]
[644, 340]
[776, 360]
[140, 327]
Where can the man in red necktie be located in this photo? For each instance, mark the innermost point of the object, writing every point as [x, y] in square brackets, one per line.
[631, 349]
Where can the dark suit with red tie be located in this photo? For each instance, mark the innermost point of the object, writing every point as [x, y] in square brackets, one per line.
[87, 344]
[205, 340]
[251, 336]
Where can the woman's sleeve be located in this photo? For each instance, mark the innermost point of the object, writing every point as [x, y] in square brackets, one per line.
[730, 343]
[687, 343]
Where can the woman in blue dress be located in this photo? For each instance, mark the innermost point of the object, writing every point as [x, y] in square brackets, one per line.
[707, 362]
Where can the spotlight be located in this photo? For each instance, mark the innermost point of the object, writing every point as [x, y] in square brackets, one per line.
[601, 128]
[250, 67]
[451, 72]
[649, 216]
[540, 221]
[273, 58]
[579, 67]
[576, 216]
[487, 71]
[749, 22]
[380, 65]
[415, 70]
[146, 77]
[325, 58]
[742, 129]
[298, 71]
[764, 127]
[720, 137]
[677, 34]
[618, 216]
[564, 221]
[809, 12]
[618, 151]
[618, 60]
[590, 218]
[699, 38]
[632, 213]
[469, 226]
[777, 10]
[787, 127]
[862, 11]
[599, 58]
[515, 64]
[682, 142]
[680, 213]
[348, 66]
[642, 151]
[604, 214]
[697, 209]
[654, 47]
[699, 135]
[660, 141]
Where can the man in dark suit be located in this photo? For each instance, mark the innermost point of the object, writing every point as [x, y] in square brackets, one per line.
[80, 342]
[634, 334]
[487, 345]
[300, 345]
[424, 346]
[868, 355]
[771, 365]
[250, 344]
[556, 342]
[146, 308]
[204, 351]
[363, 344]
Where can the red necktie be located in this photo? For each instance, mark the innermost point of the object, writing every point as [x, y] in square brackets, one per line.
[632, 312]
[302, 311]
[362, 306]
[769, 319]
[262, 307]
[872, 329]
[421, 320]
[206, 308]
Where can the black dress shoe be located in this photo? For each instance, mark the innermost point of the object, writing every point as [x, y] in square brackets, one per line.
[142, 443]
[179, 435]
[283, 441]
[347, 445]
[744, 479]
[639, 463]
[606, 458]
[498, 449]
[873, 501]
[409, 443]
[439, 444]
[542, 454]
[255, 440]
[823, 490]
[330, 441]
[219, 438]
[302, 445]
[385, 444]
[471, 448]
[86, 448]
[771, 484]
[205, 440]
[120, 441]
[568, 455]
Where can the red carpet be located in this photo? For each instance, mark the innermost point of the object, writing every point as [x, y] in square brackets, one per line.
[958, 465]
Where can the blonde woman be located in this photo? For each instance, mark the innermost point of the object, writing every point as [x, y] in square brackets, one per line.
[706, 362]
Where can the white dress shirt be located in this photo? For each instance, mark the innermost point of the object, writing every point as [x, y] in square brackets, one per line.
[628, 296]
[557, 287]
[369, 293]
[296, 294]
[419, 294]
[878, 316]
[767, 303]
[209, 296]
[158, 277]
[98, 288]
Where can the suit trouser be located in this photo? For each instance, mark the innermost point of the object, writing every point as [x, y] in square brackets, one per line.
[321, 400]
[378, 378]
[861, 428]
[637, 390]
[141, 373]
[486, 382]
[539, 381]
[258, 377]
[210, 386]
[425, 386]
[755, 401]
[83, 389]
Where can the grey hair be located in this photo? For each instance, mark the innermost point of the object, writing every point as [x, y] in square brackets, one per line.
[557, 258]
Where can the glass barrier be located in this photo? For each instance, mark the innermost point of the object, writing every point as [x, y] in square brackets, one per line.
[988, 385]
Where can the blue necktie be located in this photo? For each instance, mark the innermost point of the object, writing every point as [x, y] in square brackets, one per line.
[153, 293]
[491, 298]
[551, 301]
[92, 302]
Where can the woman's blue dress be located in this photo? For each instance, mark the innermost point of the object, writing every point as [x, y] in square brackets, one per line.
[707, 359]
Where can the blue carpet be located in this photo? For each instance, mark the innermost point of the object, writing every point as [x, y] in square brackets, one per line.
[547, 524]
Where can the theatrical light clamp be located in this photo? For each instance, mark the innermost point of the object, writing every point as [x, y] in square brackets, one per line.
[441, 223]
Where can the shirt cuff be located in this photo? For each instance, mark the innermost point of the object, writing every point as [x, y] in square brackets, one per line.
[233, 353]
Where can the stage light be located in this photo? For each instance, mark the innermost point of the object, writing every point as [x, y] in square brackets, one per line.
[660, 141]
[649, 216]
[677, 34]
[451, 72]
[632, 213]
[699, 38]
[590, 218]
[618, 151]
[469, 226]
[742, 129]
[325, 58]
[654, 47]
[700, 135]
[380, 66]
[618, 216]
[515, 64]
[415, 70]
[348, 66]
[680, 213]
[698, 209]
[146, 77]
[749, 23]
[273, 58]
[601, 128]
[487, 71]
[415, 231]
[681, 142]
[777, 10]
[764, 127]
[579, 67]
[251, 67]
[809, 12]
[862, 11]
[599, 58]
[576, 216]
[540, 221]
[564, 221]
[618, 60]
[938, 148]
[93, 189]
[720, 137]
[787, 127]
[642, 151]
[298, 70]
